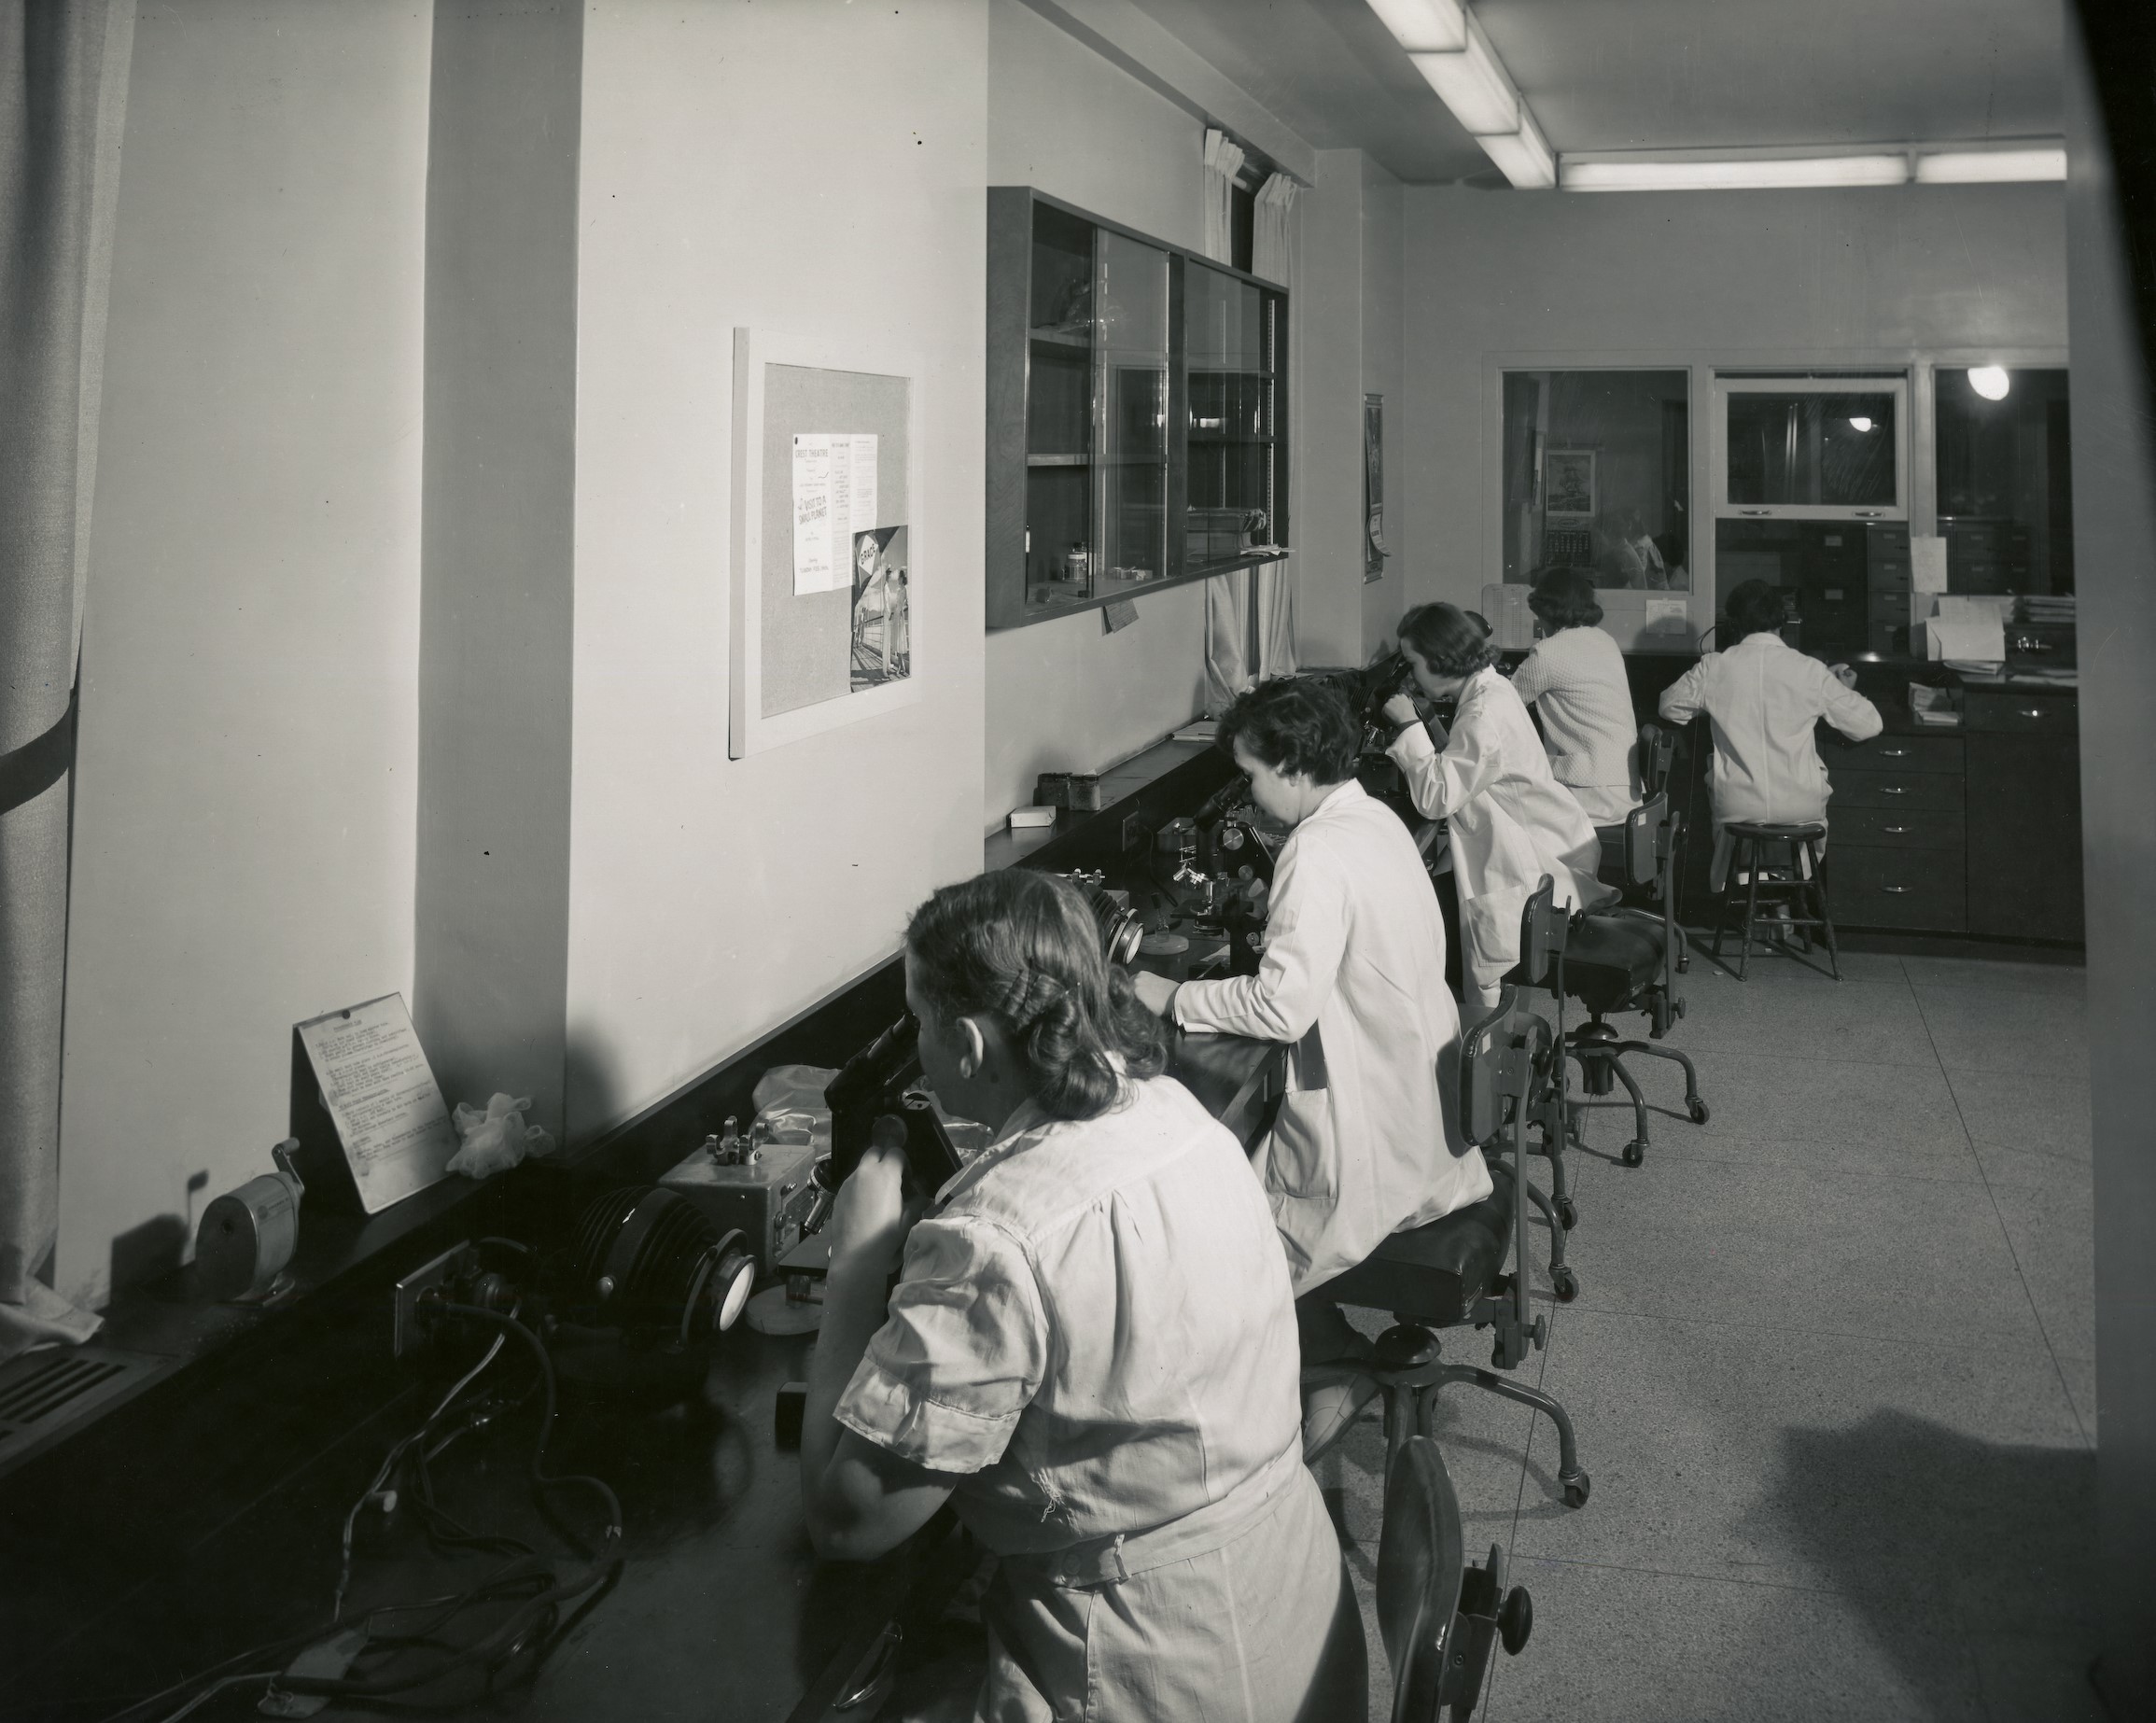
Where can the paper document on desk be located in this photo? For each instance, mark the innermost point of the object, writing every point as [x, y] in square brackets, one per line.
[1983, 641]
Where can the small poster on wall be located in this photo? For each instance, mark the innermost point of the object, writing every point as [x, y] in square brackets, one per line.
[882, 647]
[1568, 481]
[835, 500]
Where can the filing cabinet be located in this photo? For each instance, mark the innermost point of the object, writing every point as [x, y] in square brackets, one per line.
[1897, 848]
[2024, 813]
[1886, 581]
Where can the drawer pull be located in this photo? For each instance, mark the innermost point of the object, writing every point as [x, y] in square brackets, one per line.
[2032, 711]
[1894, 753]
[1897, 891]
[1895, 830]
[1893, 790]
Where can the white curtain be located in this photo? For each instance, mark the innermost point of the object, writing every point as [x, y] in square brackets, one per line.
[1270, 253]
[1273, 257]
[63, 95]
[1226, 596]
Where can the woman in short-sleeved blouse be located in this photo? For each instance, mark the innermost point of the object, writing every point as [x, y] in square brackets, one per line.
[1090, 1350]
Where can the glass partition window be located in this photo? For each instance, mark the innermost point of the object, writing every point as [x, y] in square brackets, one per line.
[1597, 474]
[2005, 470]
[1228, 355]
[1833, 448]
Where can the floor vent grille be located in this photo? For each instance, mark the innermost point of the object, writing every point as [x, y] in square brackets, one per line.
[42, 1393]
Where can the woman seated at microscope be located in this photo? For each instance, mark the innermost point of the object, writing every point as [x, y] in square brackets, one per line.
[1367, 1141]
[1089, 1350]
[1576, 678]
[1762, 699]
[1508, 820]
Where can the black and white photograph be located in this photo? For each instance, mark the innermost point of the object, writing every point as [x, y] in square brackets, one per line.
[1077, 861]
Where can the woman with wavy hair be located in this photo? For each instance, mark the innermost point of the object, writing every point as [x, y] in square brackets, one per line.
[1090, 1350]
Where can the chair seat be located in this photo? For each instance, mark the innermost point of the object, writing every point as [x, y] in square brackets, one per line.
[1775, 833]
[1608, 959]
[1433, 1273]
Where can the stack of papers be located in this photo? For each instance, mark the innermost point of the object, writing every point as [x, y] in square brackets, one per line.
[1932, 706]
[2047, 607]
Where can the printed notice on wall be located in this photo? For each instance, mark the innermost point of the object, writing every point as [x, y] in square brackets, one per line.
[834, 496]
[380, 1091]
[1669, 616]
[1926, 563]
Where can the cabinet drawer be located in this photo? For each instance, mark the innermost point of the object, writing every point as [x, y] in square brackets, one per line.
[1897, 755]
[1898, 789]
[1890, 607]
[1920, 889]
[1889, 576]
[2011, 710]
[1916, 828]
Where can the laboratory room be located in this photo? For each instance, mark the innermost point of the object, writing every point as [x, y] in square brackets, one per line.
[1150, 860]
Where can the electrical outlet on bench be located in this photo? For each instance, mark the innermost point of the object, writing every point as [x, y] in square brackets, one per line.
[405, 1334]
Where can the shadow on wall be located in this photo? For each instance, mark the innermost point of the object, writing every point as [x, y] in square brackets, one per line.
[1938, 1534]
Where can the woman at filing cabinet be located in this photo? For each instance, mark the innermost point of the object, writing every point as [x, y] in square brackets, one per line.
[1090, 1350]
[1762, 698]
[1575, 678]
[1508, 819]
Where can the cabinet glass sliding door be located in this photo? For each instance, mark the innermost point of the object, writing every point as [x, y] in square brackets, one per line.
[1230, 348]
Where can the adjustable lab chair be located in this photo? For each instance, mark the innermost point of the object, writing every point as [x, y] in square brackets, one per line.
[1657, 752]
[1626, 959]
[1450, 1273]
[1787, 889]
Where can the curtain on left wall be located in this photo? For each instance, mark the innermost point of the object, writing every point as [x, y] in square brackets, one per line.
[63, 97]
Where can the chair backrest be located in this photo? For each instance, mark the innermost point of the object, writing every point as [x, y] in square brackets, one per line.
[1644, 846]
[1542, 930]
[1497, 1064]
[1422, 1562]
[1657, 751]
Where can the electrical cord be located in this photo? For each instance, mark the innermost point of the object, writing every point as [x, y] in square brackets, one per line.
[530, 1631]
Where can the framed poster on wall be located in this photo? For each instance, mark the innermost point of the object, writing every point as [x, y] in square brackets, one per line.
[825, 537]
[1568, 487]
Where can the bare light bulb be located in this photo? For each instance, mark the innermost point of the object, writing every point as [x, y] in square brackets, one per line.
[1990, 380]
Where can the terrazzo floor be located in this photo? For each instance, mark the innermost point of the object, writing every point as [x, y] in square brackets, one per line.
[1830, 1366]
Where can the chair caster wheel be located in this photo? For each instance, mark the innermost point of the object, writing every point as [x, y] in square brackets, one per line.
[1698, 1109]
[1576, 1491]
[1515, 1621]
[1567, 1212]
[1565, 1282]
[1635, 1152]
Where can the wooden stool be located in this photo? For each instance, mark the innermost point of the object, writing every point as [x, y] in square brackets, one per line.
[1805, 891]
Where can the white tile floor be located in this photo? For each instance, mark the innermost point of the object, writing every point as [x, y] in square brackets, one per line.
[1830, 1368]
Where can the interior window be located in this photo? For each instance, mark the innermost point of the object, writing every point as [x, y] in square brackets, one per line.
[1598, 475]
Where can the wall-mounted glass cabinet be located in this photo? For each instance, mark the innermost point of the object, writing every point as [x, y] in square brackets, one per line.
[1812, 448]
[1135, 404]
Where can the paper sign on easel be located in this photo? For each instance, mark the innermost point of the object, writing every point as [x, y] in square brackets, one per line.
[374, 1079]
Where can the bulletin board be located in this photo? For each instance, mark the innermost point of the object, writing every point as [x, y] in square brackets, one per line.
[825, 629]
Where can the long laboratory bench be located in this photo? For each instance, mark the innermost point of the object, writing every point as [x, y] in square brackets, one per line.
[199, 1515]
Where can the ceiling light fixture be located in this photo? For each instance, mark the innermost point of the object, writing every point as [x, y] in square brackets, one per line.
[1473, 85]
[1424, 27]
[1970, 167]
[1731, 173]
[1860, 426]
[1990, 380]
[1524, 155]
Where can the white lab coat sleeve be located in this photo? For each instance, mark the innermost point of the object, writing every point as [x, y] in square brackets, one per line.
[1685, 699]
[1849, 712]
[1306, 940]
[1531, 681]
[1444, 783]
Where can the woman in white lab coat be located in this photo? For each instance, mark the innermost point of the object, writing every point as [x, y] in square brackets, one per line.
[1762, 698]
[1509, 821]
[1575, 678]
[1368, 1140]
[1089, 1352]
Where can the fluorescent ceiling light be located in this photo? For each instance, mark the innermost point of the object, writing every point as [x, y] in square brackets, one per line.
[1524, 155]
[1970, 167]
[1990, 380]
[1424, 27]
[1734, 172]
[1473, 85]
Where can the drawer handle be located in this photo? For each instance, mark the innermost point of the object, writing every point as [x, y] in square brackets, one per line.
[2032, 711]
[1894, 753]
[1895, 830]
[1893, 790]
[1898, 890]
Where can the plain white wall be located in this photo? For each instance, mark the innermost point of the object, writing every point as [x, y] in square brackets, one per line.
[1067, 696]
[711, 899]
[1719, 275]
[1328, 415]
[244, 819]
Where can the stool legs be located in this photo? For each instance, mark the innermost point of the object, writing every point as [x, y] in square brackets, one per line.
[1751, 854]
[1818, 854]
